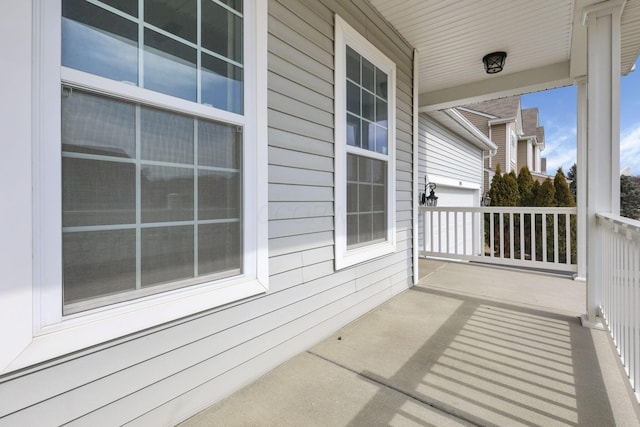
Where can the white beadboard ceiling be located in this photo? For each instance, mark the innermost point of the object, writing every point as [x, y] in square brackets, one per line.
[545, 43]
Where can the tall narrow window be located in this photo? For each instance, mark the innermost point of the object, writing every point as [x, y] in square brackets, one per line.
[152, 195]
[365, 149]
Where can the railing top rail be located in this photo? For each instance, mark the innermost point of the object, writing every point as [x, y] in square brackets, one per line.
[626, 224]
[502, 209]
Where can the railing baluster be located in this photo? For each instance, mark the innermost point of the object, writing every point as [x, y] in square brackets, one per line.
[533, 237]
[511, 236]
[431, 240]
[556, 237]
[447, 240]
[455, 232]
[567, 237]
[439, 233]
[501, 231]
[522, 243]
[492, 235]
[544, 237]
[464, 233]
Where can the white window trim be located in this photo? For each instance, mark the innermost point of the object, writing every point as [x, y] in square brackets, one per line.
[51, 335]
[346, 35]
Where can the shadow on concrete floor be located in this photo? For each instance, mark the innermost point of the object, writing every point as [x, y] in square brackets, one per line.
[438, 356]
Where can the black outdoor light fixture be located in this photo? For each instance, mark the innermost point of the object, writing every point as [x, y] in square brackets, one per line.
[430, 200]
[494, 62]
[486, 200]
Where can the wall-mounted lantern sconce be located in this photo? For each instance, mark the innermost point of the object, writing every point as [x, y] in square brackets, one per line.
[486, 200]
[431, 200]
[494, 62]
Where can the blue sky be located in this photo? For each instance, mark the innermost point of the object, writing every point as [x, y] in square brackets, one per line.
[557, 113]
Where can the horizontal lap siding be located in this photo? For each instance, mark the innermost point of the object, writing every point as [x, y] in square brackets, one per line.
[447, 154]
[161, 376]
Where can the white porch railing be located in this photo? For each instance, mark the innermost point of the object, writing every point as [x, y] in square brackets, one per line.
[525, 237]
[620, 280]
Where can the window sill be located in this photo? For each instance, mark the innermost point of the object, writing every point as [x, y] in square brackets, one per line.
[83, 331]
[366, 253]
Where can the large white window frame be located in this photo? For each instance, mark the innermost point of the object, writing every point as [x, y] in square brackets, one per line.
[345, 35]
[53, 335]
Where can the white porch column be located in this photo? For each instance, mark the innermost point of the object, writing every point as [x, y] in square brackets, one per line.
[581, 176]
[603, 133]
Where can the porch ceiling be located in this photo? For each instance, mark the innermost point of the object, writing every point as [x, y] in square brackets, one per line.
[545, 42]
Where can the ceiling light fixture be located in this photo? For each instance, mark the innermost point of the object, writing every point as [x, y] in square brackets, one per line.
[494, 62]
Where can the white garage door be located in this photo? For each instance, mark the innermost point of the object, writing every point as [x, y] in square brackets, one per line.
[458, 197]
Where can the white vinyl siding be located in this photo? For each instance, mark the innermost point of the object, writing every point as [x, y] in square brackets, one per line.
[445, 154]
[167, 372]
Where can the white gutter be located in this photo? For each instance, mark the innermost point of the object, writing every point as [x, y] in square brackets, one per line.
[469, 127]
[502, 120]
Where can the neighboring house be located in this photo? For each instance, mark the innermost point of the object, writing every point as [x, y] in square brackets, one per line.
[531, 144]
[450, 154]
[519, 138]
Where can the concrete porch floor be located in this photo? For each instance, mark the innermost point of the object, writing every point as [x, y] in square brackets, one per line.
[470, 345]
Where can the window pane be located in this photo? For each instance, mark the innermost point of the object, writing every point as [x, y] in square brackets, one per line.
[382, 140]
[167, 254]
[98, 263]
[365, 224]
[352, 229]
[219, 248]
[221, 31]
[378, 172]
[368, 106]
[352, 167]
[219, 195]
[169, 66]
[353, 99]
[222, 84]
[368, 75]
[95, 192]
[166, 137]
[353, 130]
[381, 84]
[369, 136]
[99, 42]
[381, 112]
[167, 194]
[379, 226]
[97, 125]
[352, 197]
[378, 198]
[364, 169]
[178, 18]
[353, 65]
[219, 145]
[366, 200]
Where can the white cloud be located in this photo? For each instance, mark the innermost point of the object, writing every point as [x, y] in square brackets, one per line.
[630, 149]
[560, 148]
